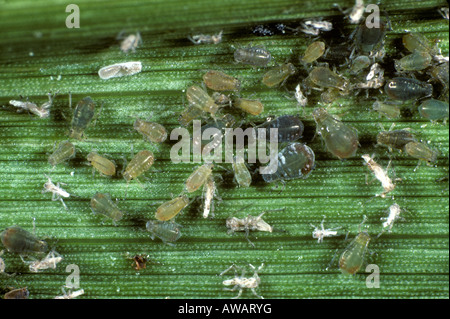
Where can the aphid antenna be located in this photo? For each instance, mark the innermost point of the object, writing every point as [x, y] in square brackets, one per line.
[332, 260]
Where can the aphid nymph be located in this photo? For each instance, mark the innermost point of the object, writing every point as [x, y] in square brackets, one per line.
[57, 192]
[241, 282]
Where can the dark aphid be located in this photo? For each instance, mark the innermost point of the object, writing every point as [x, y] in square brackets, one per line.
[84, 112]
[102, 164]
[64, 152]
[19, 241]
[21, 293]
[434, 109]
[168, 232]
[415, 61]
[255, 56]
[421, 151]
[103, 204]
[253, 107]
[294, 161]
[201, 100]
[340, 139]
[170, 209]
[352, 258]
[314, 51]
[395, 139]
[153, 132]
[278, 74]
[369, 40]
[405, 89]
[219, 81]
[140, 163]
[290, 128]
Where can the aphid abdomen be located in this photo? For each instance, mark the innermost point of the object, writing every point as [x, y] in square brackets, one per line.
[220, 81]
[154, 132]
[168, 232]
[102, 164]
[82, 116]
[290, 128]
[434, 109]
[102, 204]
[170, 209]
[405, 89]
[255, 56]
[352, 258]
[140, 163]
[65, 151]
[20, 241]
[295, 161]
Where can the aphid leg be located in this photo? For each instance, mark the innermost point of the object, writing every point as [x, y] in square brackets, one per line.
[418, 164]
[228, 269]
[362, 223]
[246, 236]
[332, 260]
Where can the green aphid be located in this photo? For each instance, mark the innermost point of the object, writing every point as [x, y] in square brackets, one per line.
[103, 204]
[19, 241]
[64, 152]
[83, 115]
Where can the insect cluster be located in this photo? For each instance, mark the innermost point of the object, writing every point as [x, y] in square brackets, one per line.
[420, 77]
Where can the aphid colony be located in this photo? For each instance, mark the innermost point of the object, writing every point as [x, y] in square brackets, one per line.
[295, 160]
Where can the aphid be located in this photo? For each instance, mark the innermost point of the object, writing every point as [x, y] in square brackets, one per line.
[253, 107]
[405, 89]
[201, 100]
[153, 132]
[418, 42]
[241, 282]
[394, 214]
[324, 77]
[206, 39]
[434, 110]
[380, 174]
[290, 128]
[302, 100]
[359, 63]
[102, 164]
[21, 293]
[421, 152]
[131, 42]
[57, 192]
[139, 164]
[168, 232]
[278, 74]
[321, 233]
[49, 261]
[19, 241]
[82, 116]
[103, 204]
[440, 73]
[256, 56]
[314, 51]
[209, 193]
[247, 224]
[64, 152]
[198, 177]
[170, 209]
[294, 161]
[352, 258]
[70, 294]
[340, 139]
[369, 40]
[119, 70]
[241, 173]
[395, 139]
[219, 81]
[389, 110]
[416, 61]
[139, 262]
[189, 114]
[43, 111]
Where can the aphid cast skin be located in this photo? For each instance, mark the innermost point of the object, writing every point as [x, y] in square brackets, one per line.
[380, 174]
[206, 39]
[357, 12]
[198, 177]
[209, 193]
[19, 241]
[394, 214]
[321, 233]
[48, 262]
[43, 111]
[153, 132]
[82, 117]
[70, 294]
[168, 232]
[131, 42]
[302, 100]
[312, 27]
[64, 152]
[21, 293]
[57, 192]
[170, 209]
[255, 56]
[103, 204]
[119, 70]
[247, 224]
[102, 164]
[241, 282]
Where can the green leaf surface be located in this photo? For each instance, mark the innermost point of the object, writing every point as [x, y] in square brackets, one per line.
[39, 54]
